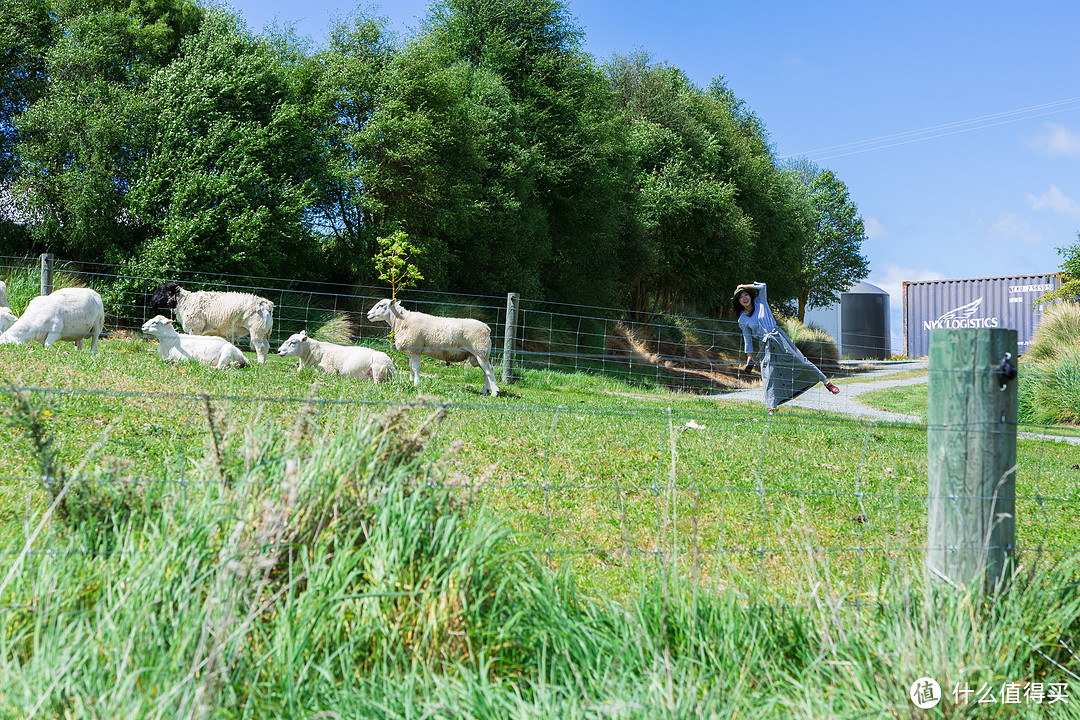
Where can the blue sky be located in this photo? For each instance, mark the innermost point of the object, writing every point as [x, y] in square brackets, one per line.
[955, 125]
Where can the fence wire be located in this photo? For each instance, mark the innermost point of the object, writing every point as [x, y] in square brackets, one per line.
[678, 351]
[715, 494]
[709, 491]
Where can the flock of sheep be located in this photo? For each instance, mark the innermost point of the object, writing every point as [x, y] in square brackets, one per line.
[210, 319]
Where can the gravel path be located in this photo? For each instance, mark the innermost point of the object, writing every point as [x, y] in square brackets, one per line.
[818, 398]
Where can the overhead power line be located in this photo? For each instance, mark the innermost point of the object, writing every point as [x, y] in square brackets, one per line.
[936, 131]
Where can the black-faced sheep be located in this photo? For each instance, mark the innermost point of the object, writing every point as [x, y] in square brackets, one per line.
[71, 314]
[349, 360]
[221, 314]
[214, 351]
[449, 339]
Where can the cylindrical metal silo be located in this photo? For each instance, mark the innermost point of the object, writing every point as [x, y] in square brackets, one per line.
[864, 323]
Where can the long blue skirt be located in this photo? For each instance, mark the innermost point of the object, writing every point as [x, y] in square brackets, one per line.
[785, 371]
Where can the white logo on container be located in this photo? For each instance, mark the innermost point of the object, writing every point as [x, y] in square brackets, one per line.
[961, 317]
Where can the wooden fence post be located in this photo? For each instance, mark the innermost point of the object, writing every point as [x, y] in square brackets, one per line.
[510, 337]
[46, 273]
[971, 456]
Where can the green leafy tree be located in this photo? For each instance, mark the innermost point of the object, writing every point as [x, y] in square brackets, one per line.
[27, 31]
[82, 135]
[831, 257]
[224, 184]
[346, 94]
[393, 262]
[570, 136]
[444, 158]
[711, 208]
[1070, 267]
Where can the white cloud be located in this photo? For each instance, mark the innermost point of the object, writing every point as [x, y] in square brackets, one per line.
[797, 69]
[1055, 200]
[874, 228]
[1012, 227]
[1055, 140]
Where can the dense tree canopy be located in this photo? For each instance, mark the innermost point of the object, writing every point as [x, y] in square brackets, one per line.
[830, 259]
[223, 179]
[164, 135]
[83, 129]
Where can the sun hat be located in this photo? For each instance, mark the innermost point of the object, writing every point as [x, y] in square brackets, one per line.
[735, 297]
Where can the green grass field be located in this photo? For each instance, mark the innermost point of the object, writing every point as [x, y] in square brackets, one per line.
[272, 543]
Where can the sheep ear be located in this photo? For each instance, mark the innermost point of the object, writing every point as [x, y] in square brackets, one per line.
[303, 334]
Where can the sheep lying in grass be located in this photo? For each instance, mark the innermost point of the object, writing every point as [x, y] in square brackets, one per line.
[71, 314]
[214, 351]
[349, 360]
[221, 314]
[449, 339]
[7, 318]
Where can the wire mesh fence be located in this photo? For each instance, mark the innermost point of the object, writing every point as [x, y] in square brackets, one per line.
[680, 351]
[708, 490]
[719, 495]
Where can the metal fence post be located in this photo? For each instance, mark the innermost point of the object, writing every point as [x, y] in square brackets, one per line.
[46, 273]
[510, 337]
[971, 456]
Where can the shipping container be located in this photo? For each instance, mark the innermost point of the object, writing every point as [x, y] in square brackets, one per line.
[994, 302]
[859, 322]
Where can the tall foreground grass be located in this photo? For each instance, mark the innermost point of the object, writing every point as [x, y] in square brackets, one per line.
[325, 567]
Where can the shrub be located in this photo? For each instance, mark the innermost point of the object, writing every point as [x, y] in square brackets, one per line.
[817, 345]
[1049, 391]
[1058, 329]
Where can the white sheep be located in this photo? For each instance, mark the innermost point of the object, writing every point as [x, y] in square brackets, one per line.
[71, 314]
[449, 339]
[7, 318]
[349, 360]
[221, 314]
[216, 352]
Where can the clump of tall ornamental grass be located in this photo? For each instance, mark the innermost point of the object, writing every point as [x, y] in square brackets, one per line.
[817, 345]
[328, 568]
[1049, 391]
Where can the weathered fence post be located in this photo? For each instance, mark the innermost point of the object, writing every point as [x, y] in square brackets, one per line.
[971, 456]
[510, 337]
[46, 273]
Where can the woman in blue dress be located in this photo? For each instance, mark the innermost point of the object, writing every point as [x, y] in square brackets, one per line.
[785, 371]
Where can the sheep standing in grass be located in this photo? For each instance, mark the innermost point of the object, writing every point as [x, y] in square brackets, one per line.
[221, 314]
[71, 314]
[216, 352]
[349, 360]
[449, 339]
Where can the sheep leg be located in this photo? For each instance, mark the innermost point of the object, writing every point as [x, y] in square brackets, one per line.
[261, 348]
[489, 377]
[54, 329]
[98, 329]
[414, 368]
